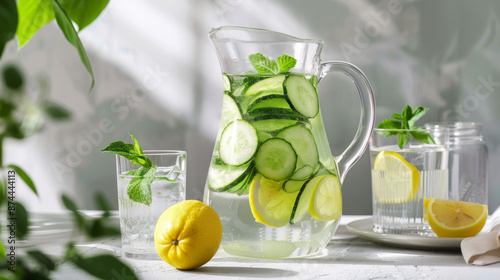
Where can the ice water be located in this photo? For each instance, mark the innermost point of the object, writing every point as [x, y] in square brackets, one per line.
[138, 221]
[402, 216]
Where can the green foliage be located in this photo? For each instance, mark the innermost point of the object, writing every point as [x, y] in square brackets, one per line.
[265, 65]
[13, 78]
[92, 8]
[8, 22]
[55, 111]
[139, 188]
[22, 221]
[33, 14]
[71, 35]
[24, 176]
[403, 126]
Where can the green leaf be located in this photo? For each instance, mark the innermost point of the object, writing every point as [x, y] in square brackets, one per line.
[8, 22]
[403, 139]
[42, 259]
[137, 147]
[71, 35]
[127, 151]
[263, 65]
[6, 108]
[105, 267]
[70, 205]
[285, 63]
[22, 221]
[389, 124]
[55, 111]
[33, 14]
[2, 251]
[397, 116]
[99, 228]
[12, 77]
[84, 12]
[139, 188]
[417, 113]
[407, 115]
[101, 202]
[422, 137]
[24, 177]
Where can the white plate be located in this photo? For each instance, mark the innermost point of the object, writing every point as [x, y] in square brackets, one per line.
[364, 229]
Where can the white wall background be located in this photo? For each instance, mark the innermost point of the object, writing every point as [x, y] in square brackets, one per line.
[157, 76]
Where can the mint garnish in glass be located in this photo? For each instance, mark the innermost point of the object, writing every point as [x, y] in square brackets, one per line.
[405, 122]
[139, 188]
[265, 65]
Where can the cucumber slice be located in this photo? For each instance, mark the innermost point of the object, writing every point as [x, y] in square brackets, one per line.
[272, 124]
[282, 115]
[222, 178]
[243, 186]
[301, 206]
[238, 142]
[292, 186]
[304, 145]
[269, 101]
[272, 112]
[230, 112]
[276, 159]
[302, 173]
[273, 84]
[302, 96]
[226, 82]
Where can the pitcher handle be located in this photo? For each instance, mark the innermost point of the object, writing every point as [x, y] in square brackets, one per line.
[367, 120]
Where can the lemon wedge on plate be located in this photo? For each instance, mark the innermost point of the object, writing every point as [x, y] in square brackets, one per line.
[394, 179]
[449, 218]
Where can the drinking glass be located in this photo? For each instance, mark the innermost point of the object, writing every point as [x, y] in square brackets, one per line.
[137, 220]
[402, 178]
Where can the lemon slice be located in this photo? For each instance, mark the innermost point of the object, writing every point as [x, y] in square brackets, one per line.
[269, 203]
[326, 201]
[449, 218]
[394, 179]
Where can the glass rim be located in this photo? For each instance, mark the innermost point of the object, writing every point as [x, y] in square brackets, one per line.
[410, 129]
[212, 34]
[163, 152]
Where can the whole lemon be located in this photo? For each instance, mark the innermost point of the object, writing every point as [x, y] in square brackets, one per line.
[188, 234]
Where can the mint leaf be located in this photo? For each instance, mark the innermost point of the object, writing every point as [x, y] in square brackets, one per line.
[263, 65]
[417, 113]
[137, 148]
[129, 152]
[24, 176]
[422, 137]
[406, 120]
[285, 63]
[139, 188]
[403, 139]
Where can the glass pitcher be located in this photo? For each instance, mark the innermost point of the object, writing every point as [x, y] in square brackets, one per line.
[272, 178]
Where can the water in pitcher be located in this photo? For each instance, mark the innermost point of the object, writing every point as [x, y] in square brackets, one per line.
[269, 162]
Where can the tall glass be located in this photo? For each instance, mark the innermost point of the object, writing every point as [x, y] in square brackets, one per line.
[402, 178]
[137, 220]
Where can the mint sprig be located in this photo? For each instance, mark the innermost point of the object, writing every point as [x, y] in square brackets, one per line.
[266, 65]
[406, 120]
[139, 188]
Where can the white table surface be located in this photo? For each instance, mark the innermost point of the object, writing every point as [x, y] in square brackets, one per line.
[347, 256]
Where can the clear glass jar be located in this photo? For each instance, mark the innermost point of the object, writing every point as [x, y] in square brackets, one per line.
[468, 161]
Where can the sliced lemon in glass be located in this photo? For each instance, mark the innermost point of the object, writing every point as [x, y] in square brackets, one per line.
[449, 218]
[326, 201]
[394, 179]
[269, 203]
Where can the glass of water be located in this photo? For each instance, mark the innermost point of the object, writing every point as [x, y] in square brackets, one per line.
[403, 177]
[137, 220]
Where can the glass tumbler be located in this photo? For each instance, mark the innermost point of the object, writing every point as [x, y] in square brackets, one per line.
[138, 220]
[403, 177]
[468, 161]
